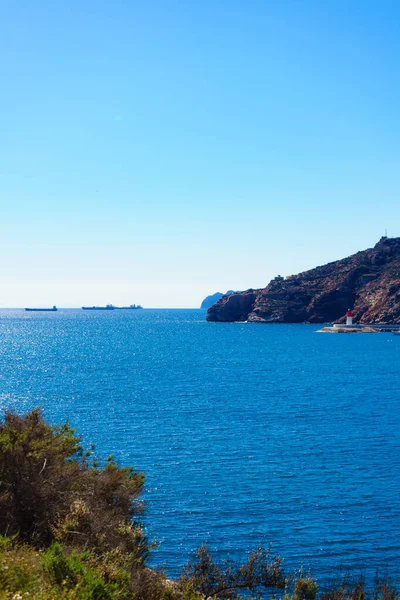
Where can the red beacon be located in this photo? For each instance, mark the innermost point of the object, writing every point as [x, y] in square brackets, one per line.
[349, 317]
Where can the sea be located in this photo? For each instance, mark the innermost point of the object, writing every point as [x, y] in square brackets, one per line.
[248, 433]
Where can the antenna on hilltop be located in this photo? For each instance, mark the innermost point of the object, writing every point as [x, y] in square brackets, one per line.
[386, 233]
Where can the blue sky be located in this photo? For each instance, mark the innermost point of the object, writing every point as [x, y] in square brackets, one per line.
[156, 152]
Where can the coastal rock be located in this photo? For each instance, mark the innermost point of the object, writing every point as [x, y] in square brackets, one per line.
[368, 282]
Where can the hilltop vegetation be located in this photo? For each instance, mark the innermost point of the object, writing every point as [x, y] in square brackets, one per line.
[70, 529]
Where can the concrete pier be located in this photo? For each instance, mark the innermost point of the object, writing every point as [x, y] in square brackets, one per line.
[361, 328]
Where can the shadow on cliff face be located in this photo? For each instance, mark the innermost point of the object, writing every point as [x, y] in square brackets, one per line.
[331, 306]
[236, 307]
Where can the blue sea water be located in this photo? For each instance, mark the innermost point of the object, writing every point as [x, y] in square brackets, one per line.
[247, 433]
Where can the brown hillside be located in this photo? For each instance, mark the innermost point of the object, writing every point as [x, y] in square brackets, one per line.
[368, 282]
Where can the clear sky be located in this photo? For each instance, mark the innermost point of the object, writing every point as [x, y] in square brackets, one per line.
[157, 152]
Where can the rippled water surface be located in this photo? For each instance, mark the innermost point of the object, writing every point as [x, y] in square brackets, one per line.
[246, 432]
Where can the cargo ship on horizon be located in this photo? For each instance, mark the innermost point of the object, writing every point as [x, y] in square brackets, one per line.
[112, 307]
[54, 309]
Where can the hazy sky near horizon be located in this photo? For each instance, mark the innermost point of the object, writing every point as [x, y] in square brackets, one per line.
[157, 152]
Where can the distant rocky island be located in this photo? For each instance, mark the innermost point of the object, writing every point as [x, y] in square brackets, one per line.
[368, 282]
[210, 300]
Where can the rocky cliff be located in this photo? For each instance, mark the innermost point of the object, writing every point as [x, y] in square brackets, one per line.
[368, 282]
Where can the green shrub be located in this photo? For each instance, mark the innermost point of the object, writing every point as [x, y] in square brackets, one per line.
[50, 490]
[93, 587]
[305, 589]
[61, 568]
[18, 567]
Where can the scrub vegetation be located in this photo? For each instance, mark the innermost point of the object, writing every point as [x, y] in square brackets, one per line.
[70, 529]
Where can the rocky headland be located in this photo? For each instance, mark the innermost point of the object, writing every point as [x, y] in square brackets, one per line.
[368, 282]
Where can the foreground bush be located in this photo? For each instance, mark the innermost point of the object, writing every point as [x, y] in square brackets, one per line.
[51, 491]
[57, 574]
